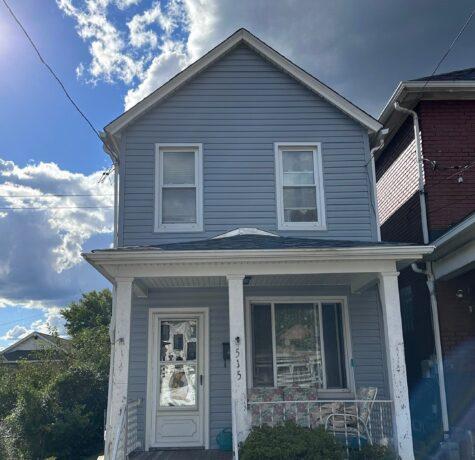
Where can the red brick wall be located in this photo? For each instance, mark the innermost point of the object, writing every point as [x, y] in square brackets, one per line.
[457, 333]
[448, 137]
[398, 198]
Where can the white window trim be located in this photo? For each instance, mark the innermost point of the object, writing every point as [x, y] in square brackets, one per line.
[316, 147]
[182, 227]
[350, 381]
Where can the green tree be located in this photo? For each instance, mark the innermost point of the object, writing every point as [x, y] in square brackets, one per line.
[91, 311]
[56, 408]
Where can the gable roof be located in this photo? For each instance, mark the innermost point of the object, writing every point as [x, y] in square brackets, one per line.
[49, 340]
[239, 37]
[456, 75]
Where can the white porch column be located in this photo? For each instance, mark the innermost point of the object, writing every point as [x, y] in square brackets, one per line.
[237, 336]
[389, 292]
[118, 380]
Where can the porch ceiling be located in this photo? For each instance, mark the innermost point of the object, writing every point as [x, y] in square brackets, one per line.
[345, 279]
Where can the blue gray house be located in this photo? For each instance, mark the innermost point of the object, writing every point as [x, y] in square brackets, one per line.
[250, 283]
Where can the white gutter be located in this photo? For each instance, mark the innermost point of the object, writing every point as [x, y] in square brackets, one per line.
[438, 346]
[420, 159]
[381, 134]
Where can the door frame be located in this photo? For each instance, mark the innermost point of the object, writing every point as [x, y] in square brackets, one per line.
[151, 368]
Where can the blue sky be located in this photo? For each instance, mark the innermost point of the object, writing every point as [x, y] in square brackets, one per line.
[112, 53]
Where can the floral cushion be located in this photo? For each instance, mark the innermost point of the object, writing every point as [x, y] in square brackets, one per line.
[265, 394]
[266, 414]
[297, 393]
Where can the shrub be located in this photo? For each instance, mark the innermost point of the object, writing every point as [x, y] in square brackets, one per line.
[291, 442]
[369, 452]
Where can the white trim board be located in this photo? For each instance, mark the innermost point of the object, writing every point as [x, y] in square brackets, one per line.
[243, 36]
[151, 393]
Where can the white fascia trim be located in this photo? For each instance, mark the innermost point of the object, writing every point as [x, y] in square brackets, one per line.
[415, 86]
[257, 255]
[455, 231]
[244, 231]
[244, 36]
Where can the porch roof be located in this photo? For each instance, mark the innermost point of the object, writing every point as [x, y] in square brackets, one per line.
[258, 242]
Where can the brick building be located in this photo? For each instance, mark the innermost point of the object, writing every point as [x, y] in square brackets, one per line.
[444, 115]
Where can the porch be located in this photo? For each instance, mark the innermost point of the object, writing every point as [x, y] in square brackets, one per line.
[322, 322]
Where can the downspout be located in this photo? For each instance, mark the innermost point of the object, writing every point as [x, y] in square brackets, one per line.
[438, 346]
[420, 160]
[381, 134]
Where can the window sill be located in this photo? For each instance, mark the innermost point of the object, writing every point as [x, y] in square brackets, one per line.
[179, 229]
[294, 227]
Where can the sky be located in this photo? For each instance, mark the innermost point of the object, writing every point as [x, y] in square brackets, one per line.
[112, 53]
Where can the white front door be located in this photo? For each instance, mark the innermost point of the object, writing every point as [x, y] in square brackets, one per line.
[178, 381]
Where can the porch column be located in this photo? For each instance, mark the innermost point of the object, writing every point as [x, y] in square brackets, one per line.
[119, 361]
[237, 336]
[401, 416]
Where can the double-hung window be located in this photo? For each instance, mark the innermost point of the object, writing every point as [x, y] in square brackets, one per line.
[179, 188]
[299, 343]
[299, 180]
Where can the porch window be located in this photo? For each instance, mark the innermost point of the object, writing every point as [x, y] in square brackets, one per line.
[299, 344]
[178, 188]
[299, 180]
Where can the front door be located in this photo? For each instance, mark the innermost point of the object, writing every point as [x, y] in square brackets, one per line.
[178, 363]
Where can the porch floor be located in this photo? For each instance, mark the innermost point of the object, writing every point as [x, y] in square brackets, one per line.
[183, 454]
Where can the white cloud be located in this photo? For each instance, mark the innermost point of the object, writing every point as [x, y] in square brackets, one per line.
[54, 322]
[15, 333]
[41, 266]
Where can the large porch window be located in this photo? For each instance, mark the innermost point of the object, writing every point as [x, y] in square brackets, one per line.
[299, 343]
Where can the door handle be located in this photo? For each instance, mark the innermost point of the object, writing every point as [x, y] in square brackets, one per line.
[201, 379]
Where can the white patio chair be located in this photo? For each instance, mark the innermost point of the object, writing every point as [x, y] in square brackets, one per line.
[354, 421]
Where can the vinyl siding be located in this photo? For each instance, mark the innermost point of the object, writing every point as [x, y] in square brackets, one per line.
[366, 338]
[237, 109]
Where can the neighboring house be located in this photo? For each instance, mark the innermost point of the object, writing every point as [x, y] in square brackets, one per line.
[440, 210]
[30, 347]
[247, 271]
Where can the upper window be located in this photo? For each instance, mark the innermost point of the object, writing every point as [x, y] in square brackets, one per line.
[302, 344]
[178, 200]
[300, 202]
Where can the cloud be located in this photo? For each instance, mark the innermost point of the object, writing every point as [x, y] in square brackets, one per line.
[15, 333]
[41, 266]
[361, 49]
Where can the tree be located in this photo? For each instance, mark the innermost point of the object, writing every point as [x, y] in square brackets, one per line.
[56, 408]
[91, 311]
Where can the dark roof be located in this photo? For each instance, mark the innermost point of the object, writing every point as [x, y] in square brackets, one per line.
[258, 242]
[461, 75]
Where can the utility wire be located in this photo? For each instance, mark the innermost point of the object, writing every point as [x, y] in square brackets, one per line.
[53, 207]
[58, 80]
[448, 204]
[449, 49]
[52, 195]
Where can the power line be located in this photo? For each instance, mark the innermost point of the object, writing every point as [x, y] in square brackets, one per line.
[36, 315]
[449, 49]
[58, 80]
[53, 207]
[49, 195]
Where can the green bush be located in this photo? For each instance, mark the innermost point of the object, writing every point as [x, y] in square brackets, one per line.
[374, 452]
[291, 442]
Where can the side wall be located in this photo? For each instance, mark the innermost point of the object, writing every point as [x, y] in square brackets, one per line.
[448, 137]
[237, 109]
[366, 334]
[397, 185]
